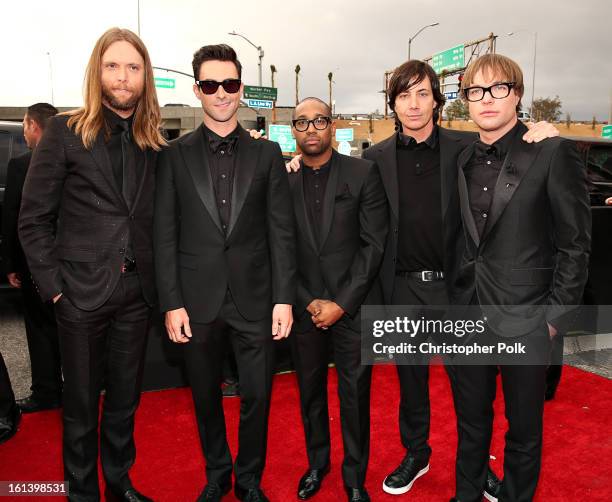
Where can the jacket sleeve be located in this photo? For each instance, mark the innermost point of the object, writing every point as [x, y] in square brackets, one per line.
[165, 234]
[40, 205]
[373, 219]
[281, 231]
[570, 207]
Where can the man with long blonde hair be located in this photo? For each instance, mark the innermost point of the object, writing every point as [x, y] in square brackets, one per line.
[86, 229]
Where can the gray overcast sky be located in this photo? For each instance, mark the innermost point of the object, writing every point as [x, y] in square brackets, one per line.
[357, 40]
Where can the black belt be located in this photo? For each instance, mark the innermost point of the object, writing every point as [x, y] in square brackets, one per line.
[423, 275]
[128, 266]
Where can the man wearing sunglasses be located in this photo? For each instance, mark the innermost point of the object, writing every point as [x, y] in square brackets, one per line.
[341, 211]
[225, 261]
[526, 219]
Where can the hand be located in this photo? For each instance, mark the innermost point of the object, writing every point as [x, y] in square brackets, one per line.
[330, 313]
[175, 320]
[282, 320]
[552, 331]
[255, 134]
[609, 201]
[314, 308]
[14, 280]
[293, 164]
[539, 131]
[57, 297]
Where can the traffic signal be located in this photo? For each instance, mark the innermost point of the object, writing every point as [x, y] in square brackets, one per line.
[261, 124]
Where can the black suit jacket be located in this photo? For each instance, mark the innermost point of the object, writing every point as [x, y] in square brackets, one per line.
[12, 252]
[385, 155]
[344, 267]
[196, 262]
[535, 247]
[74, 222]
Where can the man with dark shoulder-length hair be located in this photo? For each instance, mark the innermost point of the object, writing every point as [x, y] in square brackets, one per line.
[86, 229]
[225, 267]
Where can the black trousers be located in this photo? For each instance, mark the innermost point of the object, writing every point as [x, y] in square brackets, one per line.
[102, 349]
[204, 354]
[43, 344]
[7, 398]
[414, 409]
[474, 390]
[310, 350]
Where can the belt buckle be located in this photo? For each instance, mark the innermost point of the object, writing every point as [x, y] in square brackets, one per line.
[427, 275]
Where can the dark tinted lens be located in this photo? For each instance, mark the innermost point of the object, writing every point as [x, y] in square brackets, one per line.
[231, 85]
[208, 86]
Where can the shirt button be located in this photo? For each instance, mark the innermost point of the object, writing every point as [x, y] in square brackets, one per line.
[223, 176]
[222, 152]
[485, 189]
[223, 201]
[318, 201]
[418, 165]
[484, 215]
[316, 186]
[488, 162]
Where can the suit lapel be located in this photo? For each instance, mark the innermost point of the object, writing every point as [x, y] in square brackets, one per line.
[247, 156]
[519, 159]
[464, 199]
[99, 152]
[329, 199]
[387, 163]
[195, 158]
[449, 151]
[296, 181]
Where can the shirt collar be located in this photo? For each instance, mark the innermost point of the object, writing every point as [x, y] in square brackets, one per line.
[501, 147]
[404, 140]
[114, 122]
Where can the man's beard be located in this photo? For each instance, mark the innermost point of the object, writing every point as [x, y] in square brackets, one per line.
[115, 103]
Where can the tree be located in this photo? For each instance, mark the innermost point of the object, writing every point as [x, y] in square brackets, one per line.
[457, 110]
[548, 109]
[297, 83]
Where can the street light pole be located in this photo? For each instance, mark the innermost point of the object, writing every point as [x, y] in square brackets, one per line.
[535, 52]
[417, 34]
[259, 50]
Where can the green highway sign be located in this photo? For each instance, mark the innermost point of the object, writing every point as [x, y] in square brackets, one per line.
[344, 135]
[606, 131]
[256, 92]
[166, 83]
[282, 135]
[451, 59]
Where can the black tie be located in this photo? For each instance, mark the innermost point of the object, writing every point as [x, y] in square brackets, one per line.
[126, 157]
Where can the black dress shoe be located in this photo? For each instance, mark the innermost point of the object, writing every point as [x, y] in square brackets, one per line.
[492, 486]
[33, 404]
[401, 479]
[214, 492]
[10, 424]
[357, 494]
[129, 495]
[250, 494]
[311, 482]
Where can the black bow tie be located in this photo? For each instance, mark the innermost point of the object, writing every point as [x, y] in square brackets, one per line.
[227, 145]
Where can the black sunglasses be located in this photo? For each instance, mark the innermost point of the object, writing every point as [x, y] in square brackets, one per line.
[230, 85]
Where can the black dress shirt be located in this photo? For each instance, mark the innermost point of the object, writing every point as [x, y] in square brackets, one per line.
[420, 243]
[315, 184]
[481, 173]
[221, 156]
[127, 160]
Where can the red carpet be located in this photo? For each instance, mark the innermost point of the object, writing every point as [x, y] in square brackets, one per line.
[169, 467]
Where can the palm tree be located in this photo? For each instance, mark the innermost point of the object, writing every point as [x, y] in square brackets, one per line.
[330, 76]
[297, 84]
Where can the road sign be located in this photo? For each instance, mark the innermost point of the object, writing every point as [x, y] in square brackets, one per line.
[606, 131]
[451, 95]
[166, 83]
[451, 59]
[282, 135]
[344, 135]
[257, 92]
[344, 147]
[259, 103]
